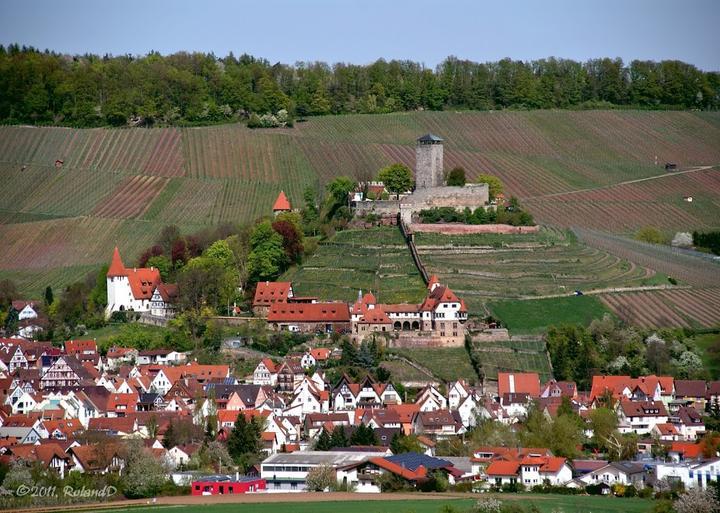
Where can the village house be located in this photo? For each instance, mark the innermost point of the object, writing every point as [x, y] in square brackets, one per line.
[163, 301]
[439, 424]
[640, 417]
[265, 373]
[618, 472]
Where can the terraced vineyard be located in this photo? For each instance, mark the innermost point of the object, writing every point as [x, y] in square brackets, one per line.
[483, 268]
[686, 308]
[203, 176]
[374, 260]
[517, 356]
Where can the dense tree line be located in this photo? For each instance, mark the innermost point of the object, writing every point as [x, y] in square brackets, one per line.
[198, 88]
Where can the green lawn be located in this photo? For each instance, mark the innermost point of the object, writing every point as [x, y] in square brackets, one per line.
[534, 316]
[542, 503]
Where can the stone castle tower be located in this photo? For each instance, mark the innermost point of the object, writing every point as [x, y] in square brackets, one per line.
[429, 162]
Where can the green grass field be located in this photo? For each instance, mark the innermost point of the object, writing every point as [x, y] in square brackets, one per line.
[376, 260]
[534, 316]
[542, 503]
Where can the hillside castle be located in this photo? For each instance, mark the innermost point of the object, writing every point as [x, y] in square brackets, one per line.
[430, 189]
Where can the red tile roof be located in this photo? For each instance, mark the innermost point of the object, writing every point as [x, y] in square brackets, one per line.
[79, 346]
[282, 203]
[312, 312]
[117, 268]
[269, 292]
[519, 383]
[503, 468]
[320, 353]
[616, 384]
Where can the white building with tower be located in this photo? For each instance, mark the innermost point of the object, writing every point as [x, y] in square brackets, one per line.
[138, 289]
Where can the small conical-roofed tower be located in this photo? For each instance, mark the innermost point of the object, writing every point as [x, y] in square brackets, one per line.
[117, 268]
[119, 293]
[282, 204]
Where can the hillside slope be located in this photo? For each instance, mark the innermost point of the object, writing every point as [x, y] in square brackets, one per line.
[70, 195]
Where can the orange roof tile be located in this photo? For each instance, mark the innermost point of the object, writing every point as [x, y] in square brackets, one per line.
[282, 203]
[312, 312]
[519, 383]
[269, 292]
[78, 346]
[320, 353]
[503, 468]
[117, 268]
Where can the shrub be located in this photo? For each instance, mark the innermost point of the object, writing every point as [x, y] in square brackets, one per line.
[651, 235]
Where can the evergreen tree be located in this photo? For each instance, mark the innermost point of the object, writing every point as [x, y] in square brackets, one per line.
[244, 442]
[363, 435]
[324, 442]
[48, 295]
[338, 437]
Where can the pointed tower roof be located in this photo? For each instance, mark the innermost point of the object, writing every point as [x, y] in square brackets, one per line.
[282, 203]
[117, 268]
[432, 282]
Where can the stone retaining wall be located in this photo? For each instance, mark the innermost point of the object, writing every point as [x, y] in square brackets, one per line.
[465, 229]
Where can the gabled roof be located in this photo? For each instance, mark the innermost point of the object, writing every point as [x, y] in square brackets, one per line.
[643, 408]
[312, 312]
[690, 388]
[20, 304]
[503, 468]
[270, 365]
[282, 203]
[320, 353]
[168, 291]
[375, 316]
[113, 424]
[616, 385]
[78, 346]
[519, 383]
[269, 292]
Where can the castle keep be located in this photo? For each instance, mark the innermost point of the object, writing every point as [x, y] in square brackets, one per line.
[430, 189]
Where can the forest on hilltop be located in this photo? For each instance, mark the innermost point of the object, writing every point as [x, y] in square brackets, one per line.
[44, 87]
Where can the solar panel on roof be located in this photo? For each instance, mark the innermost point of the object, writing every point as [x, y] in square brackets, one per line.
[412, 460]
